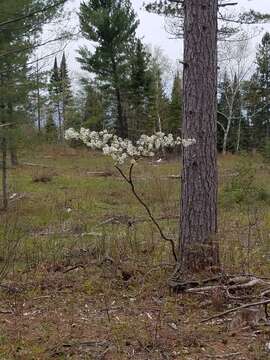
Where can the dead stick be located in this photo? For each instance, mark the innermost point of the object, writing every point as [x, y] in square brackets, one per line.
[265, 302]
[129, 180]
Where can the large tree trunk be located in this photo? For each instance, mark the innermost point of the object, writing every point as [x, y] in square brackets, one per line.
[198, 248]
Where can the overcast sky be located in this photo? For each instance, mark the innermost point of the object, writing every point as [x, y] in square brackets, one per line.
[151, 29]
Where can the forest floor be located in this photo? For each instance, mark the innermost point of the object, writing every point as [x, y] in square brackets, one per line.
[84, 274]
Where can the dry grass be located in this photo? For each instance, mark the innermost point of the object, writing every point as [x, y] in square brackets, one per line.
[82, 287]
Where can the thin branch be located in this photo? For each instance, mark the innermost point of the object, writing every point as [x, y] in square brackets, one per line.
[264, 302]
[3, 125]
[33, 13]
[223, 128]
[228, 4]
[15, 51]
[129, 180]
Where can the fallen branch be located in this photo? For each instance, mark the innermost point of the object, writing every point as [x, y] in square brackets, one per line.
[224, 356]
[265, 293]
[17, 198]
[100, 173]
[193, 285]
[125, 220]
[6, 312]
[73, 268]
[264, 302]
[32, 164]
[249, 284]
[204, 289]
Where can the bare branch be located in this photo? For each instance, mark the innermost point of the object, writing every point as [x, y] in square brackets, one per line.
[3, 125]
[129, 180]
[264, 302]
[228, 4]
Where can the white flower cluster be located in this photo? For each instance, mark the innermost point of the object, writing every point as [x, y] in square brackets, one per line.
[121, 149]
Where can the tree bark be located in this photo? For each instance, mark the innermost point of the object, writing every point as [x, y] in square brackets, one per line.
[122, 128]
[198, 245]
[4, 174]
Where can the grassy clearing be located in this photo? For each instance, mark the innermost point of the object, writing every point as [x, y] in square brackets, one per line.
[85, 283]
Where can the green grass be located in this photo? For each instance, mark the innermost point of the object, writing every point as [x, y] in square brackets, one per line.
[43, 239]
[49, 228]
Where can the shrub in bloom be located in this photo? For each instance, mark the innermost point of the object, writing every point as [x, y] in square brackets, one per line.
[122, 149]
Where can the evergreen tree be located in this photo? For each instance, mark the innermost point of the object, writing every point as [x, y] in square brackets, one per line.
[259, 94]
[158, 102]
[50, 128]
[175, 107]
[19, 32]
[111, 25]
[140, 86]
[66, 94]
[55, 91]
[94, 116]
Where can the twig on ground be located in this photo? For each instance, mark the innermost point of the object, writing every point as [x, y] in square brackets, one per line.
[223, 356]
[32, 164]
[264, 302]
[6, 312]
[125, 220]
[73, 268]
[265, 293]
[249, 284]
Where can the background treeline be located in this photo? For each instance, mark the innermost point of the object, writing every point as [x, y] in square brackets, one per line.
[127, 87]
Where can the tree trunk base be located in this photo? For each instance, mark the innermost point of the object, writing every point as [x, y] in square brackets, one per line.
[183, 280]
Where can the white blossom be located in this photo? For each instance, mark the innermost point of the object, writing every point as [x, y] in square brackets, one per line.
[122, 149]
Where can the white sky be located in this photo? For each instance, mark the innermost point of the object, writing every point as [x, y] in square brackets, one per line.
[152, 30]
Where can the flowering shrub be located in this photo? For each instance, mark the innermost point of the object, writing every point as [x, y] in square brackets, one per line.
[122, 149]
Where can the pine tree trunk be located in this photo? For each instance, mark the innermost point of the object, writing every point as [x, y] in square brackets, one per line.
[198, 248]
[4, 174]
[122, 121]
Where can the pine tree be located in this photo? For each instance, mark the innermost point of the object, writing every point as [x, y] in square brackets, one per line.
[55, 92]
[50, 128]
[139, 90]
[66, 94]
[261, 120]
[175, 107]
[19, 30]
[111, 25]
[94, 116]
[199, 246]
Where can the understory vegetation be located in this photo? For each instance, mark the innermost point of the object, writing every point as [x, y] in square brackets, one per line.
[82, 266]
